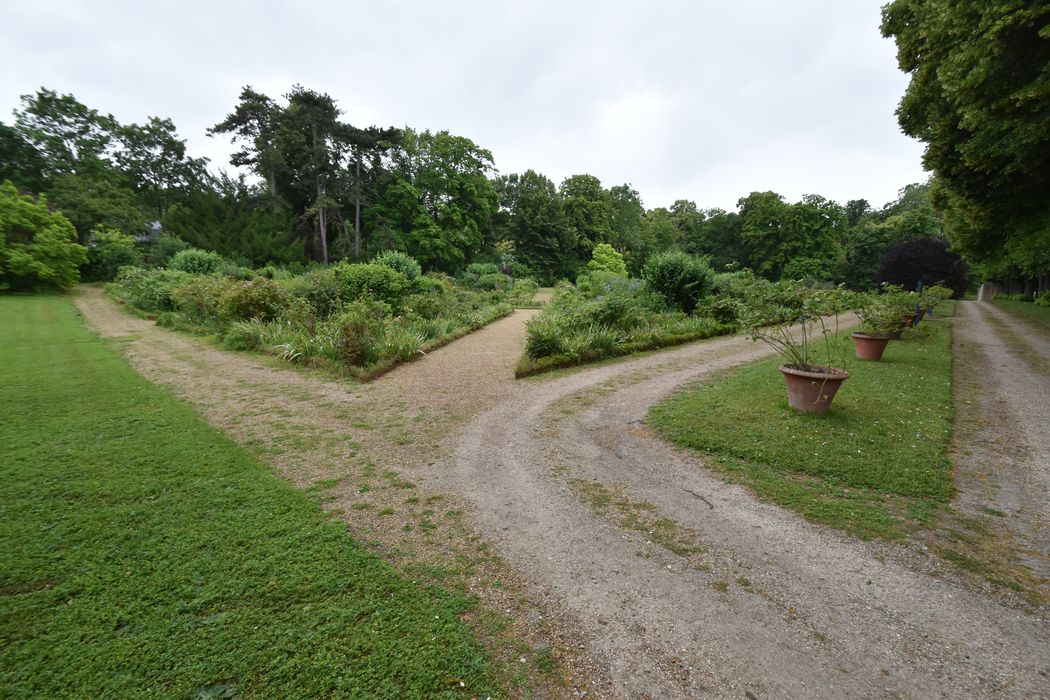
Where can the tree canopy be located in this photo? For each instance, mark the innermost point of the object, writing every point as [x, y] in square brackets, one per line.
[978, 95]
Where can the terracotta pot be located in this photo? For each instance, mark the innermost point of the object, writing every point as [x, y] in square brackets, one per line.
[812, 391]
[869, 347]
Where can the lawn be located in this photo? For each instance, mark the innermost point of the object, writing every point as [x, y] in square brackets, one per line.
[147, 555]
[1033, 313]
[875, 466]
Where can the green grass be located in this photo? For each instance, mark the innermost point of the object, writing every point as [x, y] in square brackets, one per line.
[146, 555]
[1038, 316]
[876, 465]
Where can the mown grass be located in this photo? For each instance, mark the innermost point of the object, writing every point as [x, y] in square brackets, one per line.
[876, 465]
[1038, 316]
[145, 554]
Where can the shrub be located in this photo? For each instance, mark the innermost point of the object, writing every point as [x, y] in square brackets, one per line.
[523, 292]
[359, 332]
[605, 258]
[38, 247]
[1011, 297]
[322, 289]
[197, 262]
[108, 250]
[201, 299]
[151, 290]
[544, 336]
[682, 280]
[377, 281]
[493, 281]
[402, 262]
[259, 298]
[475, 271]
[164, 249]
[1043, 299]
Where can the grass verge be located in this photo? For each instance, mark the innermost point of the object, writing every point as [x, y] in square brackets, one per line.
[147, 554]
[875, 466]
[1034, 314]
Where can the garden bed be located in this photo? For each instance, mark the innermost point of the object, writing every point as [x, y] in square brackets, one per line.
[876, 465]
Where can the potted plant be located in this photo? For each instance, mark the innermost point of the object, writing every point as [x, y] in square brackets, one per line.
[794, 320]
[934, 295]
[880, 322]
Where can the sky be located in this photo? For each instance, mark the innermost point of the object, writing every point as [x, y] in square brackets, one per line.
[706, 100]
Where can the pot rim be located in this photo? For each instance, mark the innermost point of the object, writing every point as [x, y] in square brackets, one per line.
[872, 336]
[829, 373]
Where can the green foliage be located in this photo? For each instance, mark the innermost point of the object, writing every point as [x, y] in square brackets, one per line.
[926, 260]
[236, 221]
[1043, 299]
[396, 260]
[188, 565]
[879, 455]
[532, 218]
[681, 279]
[605, 258]
[164, 249]
[523, 292]
[977, 98]
[91, 202]
[322, 289]
[882, 314]
[260, 298]
[150, 290]
[776, 234]
[1011, 297]
[197, 262]
[368, 279]
[108, 250]
[38, 247]
[494, 281]
[623, 317]
[200, 299]
[792, 319]
[20, 162]
[359, 336]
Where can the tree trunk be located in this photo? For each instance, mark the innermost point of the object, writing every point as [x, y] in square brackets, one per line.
[322, 219]
[357, 210]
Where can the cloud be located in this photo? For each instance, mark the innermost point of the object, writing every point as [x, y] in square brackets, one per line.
[698, 100]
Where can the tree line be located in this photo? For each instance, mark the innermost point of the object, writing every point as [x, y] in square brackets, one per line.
[326, 190]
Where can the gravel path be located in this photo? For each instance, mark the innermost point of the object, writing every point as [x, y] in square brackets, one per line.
[769, 605]
[1002, 375]
[775, 607]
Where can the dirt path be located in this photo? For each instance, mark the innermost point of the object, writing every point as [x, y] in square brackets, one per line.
[1002, 376]
[771, 607]
[761, 604]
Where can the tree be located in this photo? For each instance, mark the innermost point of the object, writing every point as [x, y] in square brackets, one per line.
[108, 250]
[20, 162]
[588, 212]
[718, 236]
[91, 201]
[775, 233]
[256, 124]
[70, 137]
[625, 218]
[925, 260]
[238, 221]
[980, 83]
[445, 177]
[153, 159]
[605, 258]
[38, 247]
[315, 143]
[533, 219]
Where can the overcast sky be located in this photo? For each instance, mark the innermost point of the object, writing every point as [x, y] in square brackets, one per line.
[706, 100]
